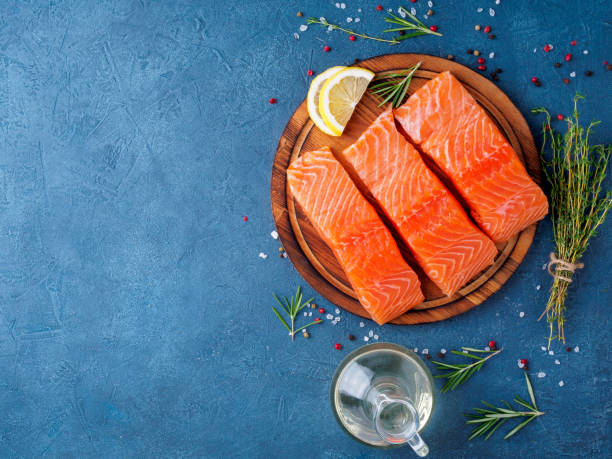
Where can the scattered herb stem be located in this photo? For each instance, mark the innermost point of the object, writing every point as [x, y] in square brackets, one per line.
[323, 22]
[292, 307]
[404, 24]
[393, 86]
[457, 374]
[576, 172]
[490, 419]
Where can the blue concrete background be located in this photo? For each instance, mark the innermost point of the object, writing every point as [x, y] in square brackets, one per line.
[135, 314]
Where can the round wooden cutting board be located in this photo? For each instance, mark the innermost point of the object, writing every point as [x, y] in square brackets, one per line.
[313, 258]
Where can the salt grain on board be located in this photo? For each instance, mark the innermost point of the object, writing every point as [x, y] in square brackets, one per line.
[586, 51]
[491, 12]
[330, 28]
[521, 314]
[365, 338]
[337, 318]
[310, 314]
[274, 235]
[538, 287]
[303, 28]
[491, 55]
[551, 352]
[262, 255]
[430, 4]
[329, 317]
[543, 348]
[487, 348]
[442, 351]
[401, 12]
[357, 19]
[413, 11]
[361, 324]
[425, 351]
[497, 2]
[342, 6]
[573, 74]
[416, 349]
[541, 374]
[337, 311]
[479, 10]
[337, 5]
[359, 10]
[561, 384]
[349, 19]
[520, 365]
[535, 50]
[370, 333]
[557, 362]
[375, 336]
[305, 313]
[296, 35]
[576, 349]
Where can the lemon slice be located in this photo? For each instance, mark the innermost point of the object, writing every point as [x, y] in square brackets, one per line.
[340, 95]
[313, 97]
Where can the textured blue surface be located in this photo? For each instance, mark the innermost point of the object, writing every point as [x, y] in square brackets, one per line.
[135, 312]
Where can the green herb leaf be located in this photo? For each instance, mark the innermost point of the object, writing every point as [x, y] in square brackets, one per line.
[459, 373]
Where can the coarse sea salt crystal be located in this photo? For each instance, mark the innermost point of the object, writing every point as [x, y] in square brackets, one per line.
[361, 324]
[520, 365]
[561, 384]
[338, 5]
[491, 55]
[337, 318]
[491, 12]
[401, 12]
[305, 313]
[274, 234]
[541, 374]
[296, 35]
[479, 10]
[551, 352]
[310, 314]
[535, 50]
[586, 51]
[416, 349]
[322, 19]
[342, 6]
[375, 336]
[370, 333]
[576, 349]
[487, 348]
[521, 314]
[497, 2]
[413, 11]
[543, 348]
[349, 19]
[365, 338]
[359, 10]
[573, 74]
[430, 4]
[357, 19]
[425, 16]
[329, 317]
[538, 287]
[425, 351]
[442, 351]
[262, 255]
[330, 28]
[303, 28]
[337, 311]
[557, 362]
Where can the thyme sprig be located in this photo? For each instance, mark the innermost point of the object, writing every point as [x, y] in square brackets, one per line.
[457, 374]
[490, 419]
[393, 86]
[575, 171]
[292, 307]
[323, 22]
[416, 26]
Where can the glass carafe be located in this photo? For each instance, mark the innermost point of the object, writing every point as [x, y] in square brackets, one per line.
[382, 394]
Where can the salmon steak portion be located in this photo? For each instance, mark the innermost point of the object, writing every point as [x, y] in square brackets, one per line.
[446, 244]
[455, 132]
[385, 285]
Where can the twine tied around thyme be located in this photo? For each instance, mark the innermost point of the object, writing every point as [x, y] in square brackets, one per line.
[561, 265]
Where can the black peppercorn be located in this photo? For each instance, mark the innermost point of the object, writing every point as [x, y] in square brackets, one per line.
[588, 73]
[557, 65]
[351, 337]
[470, 51]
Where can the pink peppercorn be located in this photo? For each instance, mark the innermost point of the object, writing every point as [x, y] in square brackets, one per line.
[379, 8]
[568, 57]
[310, 73]
[487, 29]
[433, 28]
[482, 67]
[560, 117]
[321, 311]
[523, 361]
[272, 100]
[547, 48]
[534, 79]
[338, 346]
[327, 49]
[573, 42]
[481, 60]
[492, 345]
[245, 218]
[352, 37]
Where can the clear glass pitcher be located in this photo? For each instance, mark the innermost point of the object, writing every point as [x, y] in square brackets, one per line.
[383, 395]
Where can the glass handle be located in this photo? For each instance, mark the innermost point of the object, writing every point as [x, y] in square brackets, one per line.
[418, 445]
[397, 422]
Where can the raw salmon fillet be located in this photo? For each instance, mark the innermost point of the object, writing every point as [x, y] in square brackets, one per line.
[449, 126]
[446, 244]
[386, 286]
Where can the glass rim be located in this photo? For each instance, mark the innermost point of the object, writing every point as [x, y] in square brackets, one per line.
[370, 348]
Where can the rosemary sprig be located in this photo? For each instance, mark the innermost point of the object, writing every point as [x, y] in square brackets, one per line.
[323, 22]
[576, 172]
[416, 26]
[393, 86]
[457, 374]
[490, 419]
[292, 308]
